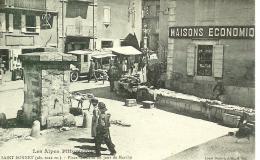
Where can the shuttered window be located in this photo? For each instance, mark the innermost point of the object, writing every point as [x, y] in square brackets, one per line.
[17, 21]
[190, 59]
[23, 23]
[218, 61]
[107, 18]
[2, 22]
[106, 44]
[30, 23]
[208, 62]
[11, 23]
[38, 24]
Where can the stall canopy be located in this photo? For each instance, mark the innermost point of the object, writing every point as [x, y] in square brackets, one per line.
[80, 52]
[103, 55]
[125, 50]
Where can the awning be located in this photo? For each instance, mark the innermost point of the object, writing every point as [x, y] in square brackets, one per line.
[89, 1]
[81, 52]
[126, 50]
[103, 55]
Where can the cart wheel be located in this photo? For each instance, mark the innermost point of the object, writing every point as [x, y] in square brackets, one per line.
[74, 76]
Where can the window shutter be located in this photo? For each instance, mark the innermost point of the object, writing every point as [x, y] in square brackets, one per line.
[2, 22]
[38, 24]
[23, 23]
[107, 15]
[191, 59]
[11, 23]
[218, 61]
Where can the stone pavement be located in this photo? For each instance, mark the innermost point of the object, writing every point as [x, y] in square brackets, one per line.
[154, 134]
[12, 94]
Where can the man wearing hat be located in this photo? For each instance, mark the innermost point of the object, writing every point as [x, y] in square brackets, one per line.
[103, 133]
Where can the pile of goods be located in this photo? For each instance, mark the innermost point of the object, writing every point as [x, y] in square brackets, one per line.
[132, 81]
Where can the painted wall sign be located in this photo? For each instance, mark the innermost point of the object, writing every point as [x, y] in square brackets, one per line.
[232, 32]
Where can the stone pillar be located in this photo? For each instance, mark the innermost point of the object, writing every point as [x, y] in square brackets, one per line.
[46, 89]
[171, 55]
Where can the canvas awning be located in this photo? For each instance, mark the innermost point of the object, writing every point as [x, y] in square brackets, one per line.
[89, 1]
[103, 55]
[125, 50]
[80, 52]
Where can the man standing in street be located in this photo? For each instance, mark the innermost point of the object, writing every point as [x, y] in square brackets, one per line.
[91, 72]
[103, 133]
[112, 76]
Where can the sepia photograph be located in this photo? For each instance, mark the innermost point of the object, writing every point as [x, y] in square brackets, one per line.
[127, 79]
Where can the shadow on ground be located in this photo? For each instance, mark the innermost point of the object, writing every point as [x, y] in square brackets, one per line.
[82, 140]
[87, 151]
[13, 123]
[85, 154]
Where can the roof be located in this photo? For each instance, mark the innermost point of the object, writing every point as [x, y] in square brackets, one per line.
[80, 52]
[126, 50]
[89, 1]
[47, 57]
[103, 55]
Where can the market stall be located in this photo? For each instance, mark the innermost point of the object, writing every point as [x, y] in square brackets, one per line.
[132, 70]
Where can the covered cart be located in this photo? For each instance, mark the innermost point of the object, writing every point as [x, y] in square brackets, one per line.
[81, 68]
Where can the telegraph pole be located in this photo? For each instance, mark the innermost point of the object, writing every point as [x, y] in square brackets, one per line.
[62, 30]
[94, 25]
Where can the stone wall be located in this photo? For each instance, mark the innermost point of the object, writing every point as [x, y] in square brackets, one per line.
[55, 93]
[47, 80]
[196, 107]
[32, 94]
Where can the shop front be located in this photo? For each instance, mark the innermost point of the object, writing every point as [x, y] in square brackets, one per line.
[211, 50]
[208, 62]
[131, 71]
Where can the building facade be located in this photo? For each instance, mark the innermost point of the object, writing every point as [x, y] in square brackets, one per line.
[115, 20]
[38, 25]
[96, 24]
[211, 49]
[25, 26]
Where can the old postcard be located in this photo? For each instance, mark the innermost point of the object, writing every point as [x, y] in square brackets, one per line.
[127, 79]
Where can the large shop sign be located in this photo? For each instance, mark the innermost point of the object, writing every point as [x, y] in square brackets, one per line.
[232, 32]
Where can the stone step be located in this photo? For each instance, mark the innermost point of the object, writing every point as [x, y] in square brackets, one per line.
[148, 104]
[130, 102]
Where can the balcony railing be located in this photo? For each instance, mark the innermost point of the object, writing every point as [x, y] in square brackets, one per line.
[86, 31]
[24, 4]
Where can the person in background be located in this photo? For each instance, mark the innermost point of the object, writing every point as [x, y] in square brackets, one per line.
[112, 76]
[124, 67]
[103, 133]
[91, 72]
